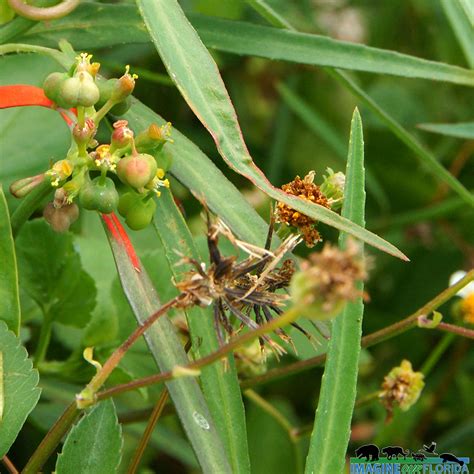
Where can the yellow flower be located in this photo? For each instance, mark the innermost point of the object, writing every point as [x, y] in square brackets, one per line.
[466, 305]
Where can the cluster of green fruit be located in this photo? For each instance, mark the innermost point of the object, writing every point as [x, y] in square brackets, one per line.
[85, 175]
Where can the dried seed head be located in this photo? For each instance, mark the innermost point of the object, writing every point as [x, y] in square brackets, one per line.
[401, 387]
[305, 189]
[327, 280]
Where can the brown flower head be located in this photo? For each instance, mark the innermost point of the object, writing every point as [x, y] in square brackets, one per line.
[327, 280]
[305, 189]
[401, 387]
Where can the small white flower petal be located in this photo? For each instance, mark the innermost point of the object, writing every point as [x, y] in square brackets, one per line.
[467, 290]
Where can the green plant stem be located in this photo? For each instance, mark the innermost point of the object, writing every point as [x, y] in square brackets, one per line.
[365, 400]
[155, 415]
[285, 319]
[47, 446]
[437, 353]
[28, 205]
[51, 440]
[31, 48]
[281, 419]
[369, 340]
[112, 362]
[44, 339]
[43, 13]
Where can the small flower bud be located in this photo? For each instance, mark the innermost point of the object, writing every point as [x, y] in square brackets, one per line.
[327, 280]
[137, 170]
[83, 135]
[124, 86]
[153, 138]
[401, 387]
[122, 136]
[333, 188]
[24, 186]
[61, 170]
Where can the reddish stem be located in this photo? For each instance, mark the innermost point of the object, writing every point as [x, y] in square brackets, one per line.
[120, 235]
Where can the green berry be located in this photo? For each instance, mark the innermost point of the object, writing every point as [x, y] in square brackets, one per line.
[79, 90]
[98, 196]
[52, 85]
[140, 214]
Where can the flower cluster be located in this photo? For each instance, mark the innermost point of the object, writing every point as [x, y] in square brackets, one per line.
[121, 175]
[329, 195]
[327, 280]
[401, 387]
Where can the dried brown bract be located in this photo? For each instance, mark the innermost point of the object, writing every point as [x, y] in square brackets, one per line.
[305, 189]
[238, 290]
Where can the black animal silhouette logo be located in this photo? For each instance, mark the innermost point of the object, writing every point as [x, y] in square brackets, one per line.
[448, 457]
[371, 452]
[418, 456]
[395, 451]
[431, 448]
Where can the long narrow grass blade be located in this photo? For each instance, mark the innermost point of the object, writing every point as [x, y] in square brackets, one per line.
[106, 25]
[463, 130]
[462, 26]
[167, 351]
[332, 423]
[196, 75]
[221, 386]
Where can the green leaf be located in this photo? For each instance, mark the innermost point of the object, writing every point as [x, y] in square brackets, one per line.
[197, 172]
[196, 75]
[221, 385]
[303, 48]
[94, 444]
[427, 159]
[9, 295]
[167, 351]
[463, 130]
[332, 423]
[94, 25]
[101, 25]
[51, 273]
[462, 25]
[18, 387]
